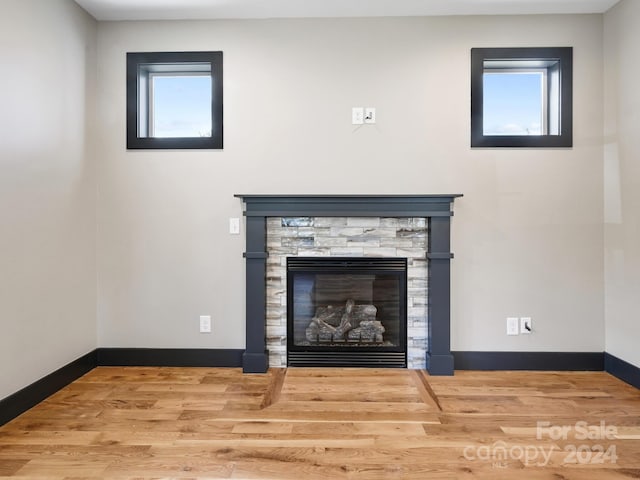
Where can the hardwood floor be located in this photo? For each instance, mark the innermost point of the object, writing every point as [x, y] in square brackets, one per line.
[307, 424]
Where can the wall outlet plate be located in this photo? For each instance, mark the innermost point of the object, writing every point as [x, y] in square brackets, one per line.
[205, 323]
[512, 325]
[357, 115]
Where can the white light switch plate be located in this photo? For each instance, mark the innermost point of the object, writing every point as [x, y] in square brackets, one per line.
[234, 226]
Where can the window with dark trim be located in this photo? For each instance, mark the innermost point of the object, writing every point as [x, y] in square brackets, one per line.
[521, 97]
[174, 100]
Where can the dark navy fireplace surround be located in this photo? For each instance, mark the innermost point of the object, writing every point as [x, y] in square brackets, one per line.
[437, 209]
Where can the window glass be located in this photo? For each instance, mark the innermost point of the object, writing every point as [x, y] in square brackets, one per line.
[513, 103]
[181, 106]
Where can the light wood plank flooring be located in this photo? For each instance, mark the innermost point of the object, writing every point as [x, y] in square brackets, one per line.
[307, 424]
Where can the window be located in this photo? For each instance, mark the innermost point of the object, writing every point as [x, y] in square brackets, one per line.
[521, 97]
[174, 100]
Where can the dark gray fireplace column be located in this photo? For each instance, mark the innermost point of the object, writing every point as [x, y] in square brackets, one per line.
[256, 358]
[439, 357]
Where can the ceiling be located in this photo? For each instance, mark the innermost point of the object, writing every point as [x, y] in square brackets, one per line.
[212, 9]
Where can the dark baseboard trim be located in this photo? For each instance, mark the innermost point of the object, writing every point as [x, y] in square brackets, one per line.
[439, 364]
[169, 357]
[30, 396]
[255, 362]
[545, 361]
[625, 371]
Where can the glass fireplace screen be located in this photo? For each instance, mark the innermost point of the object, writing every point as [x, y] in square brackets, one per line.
[346, 303]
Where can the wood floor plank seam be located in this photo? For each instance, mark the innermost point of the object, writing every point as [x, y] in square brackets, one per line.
[428, 395]
[274, 390]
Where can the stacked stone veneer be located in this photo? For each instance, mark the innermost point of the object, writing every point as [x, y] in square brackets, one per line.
[347, 237]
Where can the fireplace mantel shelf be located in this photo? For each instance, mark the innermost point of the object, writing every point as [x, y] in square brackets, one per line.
[423, 205]
[357, 195]
[436, 208]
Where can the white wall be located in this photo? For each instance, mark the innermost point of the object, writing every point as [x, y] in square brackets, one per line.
[622, 181]
[528, 234]
[47, 189]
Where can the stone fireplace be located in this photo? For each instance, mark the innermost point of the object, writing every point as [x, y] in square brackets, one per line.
[285, 230]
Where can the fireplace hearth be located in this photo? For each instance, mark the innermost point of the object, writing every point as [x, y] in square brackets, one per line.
[346, 311]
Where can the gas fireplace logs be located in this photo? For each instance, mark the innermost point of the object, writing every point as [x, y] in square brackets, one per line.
[351, 323]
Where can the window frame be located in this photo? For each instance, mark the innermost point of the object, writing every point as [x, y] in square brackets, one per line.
[139, 106]
[563, 58]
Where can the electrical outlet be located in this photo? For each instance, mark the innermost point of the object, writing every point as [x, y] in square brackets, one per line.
[357, 115]
[205, 323]
[526, 327]
[512, 325]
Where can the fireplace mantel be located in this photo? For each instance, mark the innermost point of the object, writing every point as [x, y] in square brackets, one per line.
[436, 208]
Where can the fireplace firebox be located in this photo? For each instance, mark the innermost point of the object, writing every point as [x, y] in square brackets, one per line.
[347, 311]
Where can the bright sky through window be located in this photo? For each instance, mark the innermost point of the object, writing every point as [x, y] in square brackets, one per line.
[513, 103]
[181, 106]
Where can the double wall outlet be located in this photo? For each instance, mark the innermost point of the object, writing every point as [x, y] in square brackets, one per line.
[512, 326]
[357, 115]
[205, 323]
